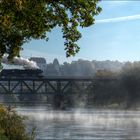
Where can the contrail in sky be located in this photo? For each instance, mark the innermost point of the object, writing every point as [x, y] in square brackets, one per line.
[118, 19]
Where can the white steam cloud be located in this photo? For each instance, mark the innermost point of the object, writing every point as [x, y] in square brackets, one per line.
[118, 19]
[20, 61]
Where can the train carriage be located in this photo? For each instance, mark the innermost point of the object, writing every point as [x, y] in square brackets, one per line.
[18, 73]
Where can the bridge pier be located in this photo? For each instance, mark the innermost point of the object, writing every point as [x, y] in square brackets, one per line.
[58, 100]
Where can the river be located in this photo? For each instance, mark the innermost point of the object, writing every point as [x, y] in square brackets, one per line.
[83, 124]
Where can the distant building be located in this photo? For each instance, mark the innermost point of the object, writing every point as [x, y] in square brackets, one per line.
[54, 69]
[56, 65]
[41, 62]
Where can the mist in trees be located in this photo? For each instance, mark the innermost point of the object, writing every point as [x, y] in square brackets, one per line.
[81, 67]
[122, 93]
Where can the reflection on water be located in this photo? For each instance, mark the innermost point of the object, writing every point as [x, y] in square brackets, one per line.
[84, 124]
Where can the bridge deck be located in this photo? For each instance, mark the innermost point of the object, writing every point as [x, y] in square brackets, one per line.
[55, 78]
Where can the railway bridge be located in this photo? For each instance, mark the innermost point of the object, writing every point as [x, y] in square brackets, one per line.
[48, 85]
[56, 86]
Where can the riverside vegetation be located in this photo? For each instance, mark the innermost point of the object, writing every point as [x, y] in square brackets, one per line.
[12, 125]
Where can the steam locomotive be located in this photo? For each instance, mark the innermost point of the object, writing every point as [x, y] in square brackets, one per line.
[18, 73]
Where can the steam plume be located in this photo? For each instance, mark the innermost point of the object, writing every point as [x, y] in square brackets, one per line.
[21, 62]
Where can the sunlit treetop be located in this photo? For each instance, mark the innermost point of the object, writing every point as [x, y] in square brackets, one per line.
[23, 20]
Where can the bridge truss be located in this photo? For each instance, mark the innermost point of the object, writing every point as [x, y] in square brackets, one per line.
[45, 85]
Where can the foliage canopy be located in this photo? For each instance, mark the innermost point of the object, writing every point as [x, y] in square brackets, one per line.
[23, 20]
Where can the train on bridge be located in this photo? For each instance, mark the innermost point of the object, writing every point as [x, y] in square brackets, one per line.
[19, 73]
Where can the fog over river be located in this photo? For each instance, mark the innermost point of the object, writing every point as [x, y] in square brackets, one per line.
[83, 124]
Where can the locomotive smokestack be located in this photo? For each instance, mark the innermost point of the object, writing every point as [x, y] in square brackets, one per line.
[20, 61]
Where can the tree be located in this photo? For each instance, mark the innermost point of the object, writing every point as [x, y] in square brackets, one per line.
[23, 20]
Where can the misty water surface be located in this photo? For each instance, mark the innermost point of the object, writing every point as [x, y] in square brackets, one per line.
[83, 124]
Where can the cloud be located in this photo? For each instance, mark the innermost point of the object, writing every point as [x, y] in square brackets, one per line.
[119, 2]
[118, 19]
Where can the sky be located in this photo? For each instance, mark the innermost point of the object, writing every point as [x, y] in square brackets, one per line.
[114, 36]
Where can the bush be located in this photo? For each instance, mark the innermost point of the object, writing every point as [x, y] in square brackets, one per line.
[12, 125]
